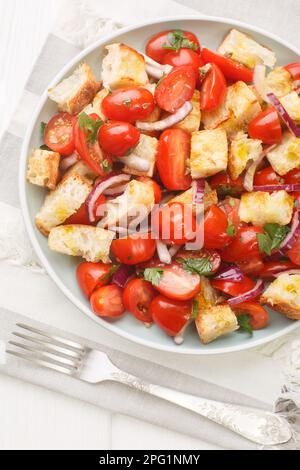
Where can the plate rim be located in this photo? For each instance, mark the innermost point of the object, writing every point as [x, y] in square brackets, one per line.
[182, 350]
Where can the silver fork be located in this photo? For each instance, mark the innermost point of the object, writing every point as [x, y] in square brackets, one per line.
[92, 366]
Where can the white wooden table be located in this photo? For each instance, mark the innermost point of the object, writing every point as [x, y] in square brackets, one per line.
[33, 418]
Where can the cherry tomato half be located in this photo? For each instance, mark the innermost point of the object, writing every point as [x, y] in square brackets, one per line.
[259, 317]
[176, 88]
[59, 134]
[294, 70]
[293, 177]
[213, 257]
[252, 266]
[134, 249]
[118, 138]
[230, 206]
[184, 57]
[215, 228]
[233, 71]
[177, 283]
[93, 275]
[175, 222]
[213, 89]
[225, 186]
[107, 302]
[266, 176]
[266, 127]
[170, 315]
[81, 217]
[173, 154]
[128, 104]
[137, 297]
[234, 288]
[244, 246]
[152, 184]
[159, 45]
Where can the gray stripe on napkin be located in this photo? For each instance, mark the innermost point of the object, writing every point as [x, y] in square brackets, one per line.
[120, 399]
[10, 150]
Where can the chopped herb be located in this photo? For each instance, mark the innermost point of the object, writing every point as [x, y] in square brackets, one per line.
[145, 105]
[244, 322]
[106, 166]
[159, 81]
[89, 126]
[43, 128]
[271, 238]
[177, 40]
[204, 71]
[44, 147]
[130, 151]
[195, 310]
[127, 102]
[111, 272]
[231, 202]
[201, 266]
[153, 275]
[129, 258]
[231, 230]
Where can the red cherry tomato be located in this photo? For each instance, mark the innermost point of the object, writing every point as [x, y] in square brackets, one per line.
[293, 177]
[176, 88]
[252, 266]
[173, 154]
[233, 71]
[175, 222]
[158, 45]
[59, 134]
[134, 249]
[225, 186]
[107, 302]
[118, 138]
[170, 315]
[294, 70]
[81, 217]
[259, 317]
[90, 152]
[213, 257]
[234, 288]
[230, 206]
[128, 104]
[266, 176]
[93, 275]
[177, 283]
[244, 246]
[213, 89]
[152, 184]
[184, 57]
[215, 228]
[294, 252]
[271, 268]
[137, 297]
[266, 127]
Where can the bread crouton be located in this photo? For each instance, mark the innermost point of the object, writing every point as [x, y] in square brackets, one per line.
[82, 169]
[244, 49]
[286, 156]
[242, 151]
[291, 102]
[43, 168]
[91, 243]
[123, 66]
[192, 122]
[96, 106]
[75, 92]
[137, 201]
[237, 110]
[284, 295]
[209, 153]
[210, 198]
[146, 150]
[63, 202]
[213, 322]
[262, 208]
[279, 82]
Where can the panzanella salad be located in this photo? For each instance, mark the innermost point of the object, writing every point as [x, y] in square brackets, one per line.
[177, 179]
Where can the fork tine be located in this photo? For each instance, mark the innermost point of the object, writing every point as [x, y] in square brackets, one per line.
[48, 346]
[55, 339]
[42, 363]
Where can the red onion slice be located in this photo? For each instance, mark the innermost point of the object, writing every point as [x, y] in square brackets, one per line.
[278, 187]
[136, 163]
[123, 275]
[289, 122]
[165, 68]
[116, 191]
[169, 121]
[232, 273]
[199, 191]
[289, 271]
[293, 234]
[174, 250]
[99, 189]
[68, 162]
[163, 253]
[250, 173]
[255, 292]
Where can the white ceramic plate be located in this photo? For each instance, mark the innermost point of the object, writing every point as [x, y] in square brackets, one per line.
[62, 268]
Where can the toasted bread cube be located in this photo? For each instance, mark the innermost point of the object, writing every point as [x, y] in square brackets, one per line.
[43, 168]
[208, 296]
[279, 82]
[286, 156]
[210, 198]
[75, 92]
[262, 208]
[192, 122]
[242, 48]
[234, 114]
[96, 106]
[91, 243]
[63, 202]
[137, 201]
[284, 295]
[209, 153]
[123, 66]
[213, 322]
[291, 102]
[242, 151]
[82, 169]
[146, 150]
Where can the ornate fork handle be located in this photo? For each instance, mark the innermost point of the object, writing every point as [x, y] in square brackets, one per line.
[256, 425]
